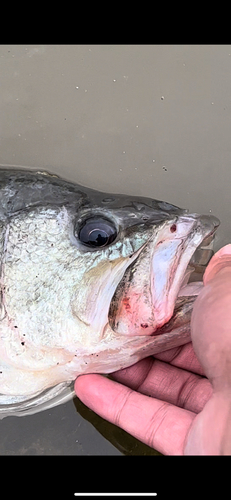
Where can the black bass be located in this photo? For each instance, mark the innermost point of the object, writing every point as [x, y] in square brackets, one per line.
[90, 282]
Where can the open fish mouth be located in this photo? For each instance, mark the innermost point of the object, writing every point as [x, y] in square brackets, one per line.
[145, 298]
[191, 285]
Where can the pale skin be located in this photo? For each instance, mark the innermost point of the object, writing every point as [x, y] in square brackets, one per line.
[180, 401]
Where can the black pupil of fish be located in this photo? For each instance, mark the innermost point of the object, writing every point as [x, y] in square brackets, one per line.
[97, 233]
[98, 237]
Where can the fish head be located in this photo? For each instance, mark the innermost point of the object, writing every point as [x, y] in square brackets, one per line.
[137, 256]
[116, 261]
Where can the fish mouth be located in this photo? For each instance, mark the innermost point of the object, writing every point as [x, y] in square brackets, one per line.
[186, 254]
[147, 295]
[192, 283]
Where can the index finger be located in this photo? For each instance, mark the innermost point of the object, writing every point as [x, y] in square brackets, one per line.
[160, 425]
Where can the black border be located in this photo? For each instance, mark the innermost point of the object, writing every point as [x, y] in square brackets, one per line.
[60, 477]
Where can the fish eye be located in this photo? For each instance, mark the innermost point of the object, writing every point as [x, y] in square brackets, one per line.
[97, 232]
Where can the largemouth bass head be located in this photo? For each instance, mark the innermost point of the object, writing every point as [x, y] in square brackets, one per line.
[136, 262]
[88, 279]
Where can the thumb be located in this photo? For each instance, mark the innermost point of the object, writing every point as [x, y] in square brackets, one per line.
[211, 320]
[219, 261]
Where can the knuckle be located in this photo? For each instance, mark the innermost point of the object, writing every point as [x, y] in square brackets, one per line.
[156, 424]
[120, 404]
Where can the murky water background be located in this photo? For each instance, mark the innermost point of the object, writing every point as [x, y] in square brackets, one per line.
[150, 120]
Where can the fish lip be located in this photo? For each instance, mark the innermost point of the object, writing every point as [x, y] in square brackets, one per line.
[164, 309]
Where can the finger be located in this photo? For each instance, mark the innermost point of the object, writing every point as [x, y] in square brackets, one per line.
[210, 328]
[183, 357]
[171, 384]
[135, 375]
[156, 423]
[219, 261]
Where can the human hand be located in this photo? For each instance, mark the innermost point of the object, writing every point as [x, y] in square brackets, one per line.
[166, 401]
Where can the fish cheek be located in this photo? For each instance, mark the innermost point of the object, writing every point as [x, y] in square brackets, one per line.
[93, 296]
[130, 311]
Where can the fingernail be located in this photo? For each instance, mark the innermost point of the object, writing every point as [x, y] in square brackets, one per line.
[220, 260]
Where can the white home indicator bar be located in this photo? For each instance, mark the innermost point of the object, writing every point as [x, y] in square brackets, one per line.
[115, 494]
